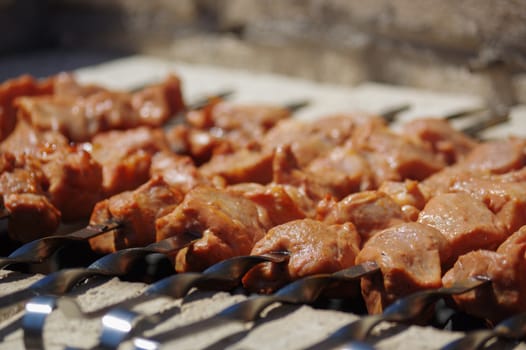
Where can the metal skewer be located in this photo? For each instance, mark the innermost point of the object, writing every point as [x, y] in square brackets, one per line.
[38, 250]
[513, 328]
[303, 291]
[403, 310]
[224, 275]
[115, 264]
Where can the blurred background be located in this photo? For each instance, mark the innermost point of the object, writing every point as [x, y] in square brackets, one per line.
[446, 45]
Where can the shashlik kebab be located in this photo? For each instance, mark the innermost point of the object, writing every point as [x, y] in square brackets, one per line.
[399, 193]
[374, 139]
[66, 179]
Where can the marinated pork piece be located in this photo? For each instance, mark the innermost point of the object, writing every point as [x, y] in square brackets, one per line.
[73, 179]
[241, 166]
[136, 211]
[343, 170]
[126, 157]
[410, 195]
[369, 211]
[314, 247]
[178, 171]
[496, 157]
[283, 203]
[226, 224]
[410, 256]
[75, 182]
[239, 125]
[84, 113]
[26, 140]
[395, 157]
[505, 296]
[31, 216]
[309, 140]
[465, 222]
[10, 90]
[505, 199]
[22, 186]
[286, 171]
[445, 140]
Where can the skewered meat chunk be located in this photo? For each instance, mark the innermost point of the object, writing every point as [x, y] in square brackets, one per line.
[445, 140]
[31, 216]
[369, 211]
[334, 247]
[309, 140]
[343, 170]
[465, 221]
[283, 203]
[241, 166]
[136, 211]
[239, 125]
[126, 156]
[410, 195]
[228, 225]
[505, 199]
[395, 157]
[75, 182]
[286, 171]
[410, 257]
[24, 85]
[506, 268]
[497, 157]
[85, 112]
[26, 140]
[178, 171]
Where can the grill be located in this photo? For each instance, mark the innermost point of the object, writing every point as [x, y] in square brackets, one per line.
[149, 307]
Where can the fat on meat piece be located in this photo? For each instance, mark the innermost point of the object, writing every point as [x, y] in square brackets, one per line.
[126, 156]
[443, 138]
[410, 195]
[10, 90]
[283, 203]
[410, 256]
[83, 113]
[314, 247]
[505, 296]
[136, 211]
[177, 170]
[309, 140]
[369, 211]
[225, 225]
[241, 166]
[465, 221]
[31, 216]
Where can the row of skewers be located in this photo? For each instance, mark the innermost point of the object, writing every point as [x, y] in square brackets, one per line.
[303, 199]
